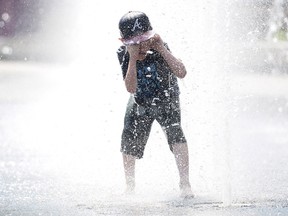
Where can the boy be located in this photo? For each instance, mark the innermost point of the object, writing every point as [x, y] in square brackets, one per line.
[150, 74]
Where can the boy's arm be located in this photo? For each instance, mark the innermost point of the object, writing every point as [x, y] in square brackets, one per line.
[131, 75]
[175, 64]
[128, 66]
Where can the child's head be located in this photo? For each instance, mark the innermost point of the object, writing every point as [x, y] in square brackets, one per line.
[135, 27]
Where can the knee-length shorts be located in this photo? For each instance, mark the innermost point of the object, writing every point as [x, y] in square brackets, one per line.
[138, 122]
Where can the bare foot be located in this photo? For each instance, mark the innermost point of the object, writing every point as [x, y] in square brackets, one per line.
[186, 191]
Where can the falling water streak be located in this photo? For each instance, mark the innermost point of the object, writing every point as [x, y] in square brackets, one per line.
[210, 106]
[227, 191]
[220, 58]
[220, 98]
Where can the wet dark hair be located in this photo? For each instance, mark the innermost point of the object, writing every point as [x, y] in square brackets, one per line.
[134, 23]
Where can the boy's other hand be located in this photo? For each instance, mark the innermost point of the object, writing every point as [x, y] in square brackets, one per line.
[156, 43]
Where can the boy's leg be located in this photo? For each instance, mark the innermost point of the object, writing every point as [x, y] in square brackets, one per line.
[129, 170]
[181, 154]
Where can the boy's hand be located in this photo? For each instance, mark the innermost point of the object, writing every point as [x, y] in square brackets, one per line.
[156, 43]
[139, 51]
[134, 51]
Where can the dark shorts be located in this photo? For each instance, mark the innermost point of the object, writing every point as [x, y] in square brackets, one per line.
[138, 122]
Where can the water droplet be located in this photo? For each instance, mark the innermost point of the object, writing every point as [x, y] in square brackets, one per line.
[6, 50]
[6, 17]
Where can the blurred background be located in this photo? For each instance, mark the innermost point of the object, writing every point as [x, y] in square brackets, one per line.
[32, 30]
[62, 102]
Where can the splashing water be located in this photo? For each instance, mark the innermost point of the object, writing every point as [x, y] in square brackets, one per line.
[68, 137]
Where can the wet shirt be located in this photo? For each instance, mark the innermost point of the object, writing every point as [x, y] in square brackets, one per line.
[156, 82]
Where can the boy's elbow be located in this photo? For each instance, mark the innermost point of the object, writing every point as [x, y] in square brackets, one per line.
[130, 86]
[130, 89]
[182, 73]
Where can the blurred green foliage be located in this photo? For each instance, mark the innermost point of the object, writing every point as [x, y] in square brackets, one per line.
[282, 35]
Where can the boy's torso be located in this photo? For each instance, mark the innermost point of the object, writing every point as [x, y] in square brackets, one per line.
[155, 80]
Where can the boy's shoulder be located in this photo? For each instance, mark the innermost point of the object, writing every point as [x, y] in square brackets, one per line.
[122, 50]
[122, 54]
